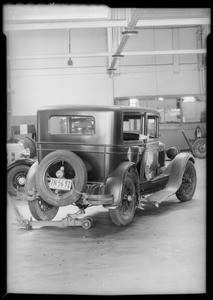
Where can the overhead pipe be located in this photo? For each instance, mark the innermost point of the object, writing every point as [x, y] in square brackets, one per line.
[124, 39]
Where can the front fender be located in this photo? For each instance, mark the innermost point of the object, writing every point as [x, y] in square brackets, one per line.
[20, 161]
[114, 182]
[29, 187]
[175, 170]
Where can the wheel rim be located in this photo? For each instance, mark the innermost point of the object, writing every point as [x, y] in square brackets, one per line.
[127, 204]
[51, 172]
[201, 149]
[19, 181]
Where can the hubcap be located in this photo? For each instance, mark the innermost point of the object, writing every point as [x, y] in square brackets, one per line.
[22, 180]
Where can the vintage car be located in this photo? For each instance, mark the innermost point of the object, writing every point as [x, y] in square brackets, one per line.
[104, 155]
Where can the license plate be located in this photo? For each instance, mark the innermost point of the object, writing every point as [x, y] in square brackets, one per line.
[60, 184]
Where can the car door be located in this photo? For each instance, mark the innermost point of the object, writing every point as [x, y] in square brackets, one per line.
[149, 162]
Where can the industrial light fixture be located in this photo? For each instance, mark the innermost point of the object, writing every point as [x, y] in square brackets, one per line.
[129, 32]
[70, 62]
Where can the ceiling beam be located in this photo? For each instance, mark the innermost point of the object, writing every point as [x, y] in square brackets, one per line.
[105, 54]
[173, 22]
[62, 24]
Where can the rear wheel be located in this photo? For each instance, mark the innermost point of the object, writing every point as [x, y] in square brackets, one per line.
[41, 210]
[16, 179]
[188, 185]
[124, 213]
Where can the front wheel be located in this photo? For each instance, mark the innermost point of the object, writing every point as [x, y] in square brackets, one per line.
[41, 210]
[16, 179]
[188, 185]
[124, 213]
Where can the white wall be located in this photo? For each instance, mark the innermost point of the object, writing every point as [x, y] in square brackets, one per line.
[32, 92]
[41, 82]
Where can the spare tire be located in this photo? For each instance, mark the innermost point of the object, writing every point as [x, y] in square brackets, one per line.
[28, 142]
[61, 192]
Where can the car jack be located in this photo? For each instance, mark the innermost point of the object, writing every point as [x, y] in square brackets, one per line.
[70, 220]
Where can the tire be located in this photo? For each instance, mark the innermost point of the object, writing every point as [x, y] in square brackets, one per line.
[188, 185]
[199, 148]
[86, 223]
[74, 169]
[16, 179]
[28, 142]
[41, 210]
[124, 213]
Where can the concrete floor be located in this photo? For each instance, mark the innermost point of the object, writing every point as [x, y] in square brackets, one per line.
[162, 251]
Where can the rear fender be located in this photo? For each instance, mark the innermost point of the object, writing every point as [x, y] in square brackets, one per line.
[30, 180]
[175, 170]
[114, 182]
[21, 161]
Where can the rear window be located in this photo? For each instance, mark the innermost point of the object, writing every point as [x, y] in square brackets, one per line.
[76, 125]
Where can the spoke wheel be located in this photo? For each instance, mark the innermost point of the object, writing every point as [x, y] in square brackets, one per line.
[124, 213]
[188, 185]
[41, 210]
[16, 179]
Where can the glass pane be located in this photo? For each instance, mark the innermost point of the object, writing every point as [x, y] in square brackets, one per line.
[152, 127]
[158, 104]
[80, 125]
[194, 110]
[172, 110]
[131, 127]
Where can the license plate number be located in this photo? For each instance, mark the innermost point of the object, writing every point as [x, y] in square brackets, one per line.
[60, 184]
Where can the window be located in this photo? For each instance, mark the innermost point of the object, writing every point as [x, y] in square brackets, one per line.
[172, 110]
[194, 110]
[131, 127]
[152, 127]
[76, 125]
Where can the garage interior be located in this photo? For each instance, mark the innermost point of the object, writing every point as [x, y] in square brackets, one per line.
[79, 54]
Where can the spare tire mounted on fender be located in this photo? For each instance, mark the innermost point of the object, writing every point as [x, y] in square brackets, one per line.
[61, 164]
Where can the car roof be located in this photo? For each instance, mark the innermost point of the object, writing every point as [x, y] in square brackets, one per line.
[99, 108]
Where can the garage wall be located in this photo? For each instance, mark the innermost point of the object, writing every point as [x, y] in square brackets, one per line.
[35, 91]
[40, 82]
[161, 74]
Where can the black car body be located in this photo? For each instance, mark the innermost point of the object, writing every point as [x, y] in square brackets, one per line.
[103, 155]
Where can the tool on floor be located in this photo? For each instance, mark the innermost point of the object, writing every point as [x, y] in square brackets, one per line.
[70, 220]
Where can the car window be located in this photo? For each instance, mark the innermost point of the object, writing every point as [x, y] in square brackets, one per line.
[152, 127]
[132, 126]
[76, 125]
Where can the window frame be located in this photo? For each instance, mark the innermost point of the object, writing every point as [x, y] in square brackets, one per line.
[141, 117]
